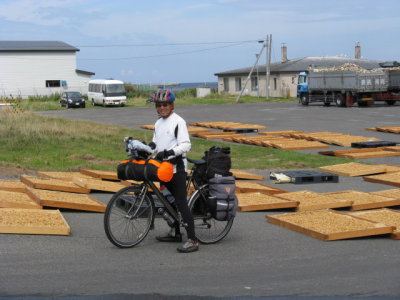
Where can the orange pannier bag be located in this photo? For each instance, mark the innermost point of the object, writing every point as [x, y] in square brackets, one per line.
[140, 170]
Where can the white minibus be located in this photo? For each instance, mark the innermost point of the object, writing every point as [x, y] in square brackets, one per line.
[106, 92]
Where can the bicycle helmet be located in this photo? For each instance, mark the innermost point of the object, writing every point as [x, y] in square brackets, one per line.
[163, 96]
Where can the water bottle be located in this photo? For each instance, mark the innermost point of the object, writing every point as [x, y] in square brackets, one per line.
[170, 220]
[167, 194]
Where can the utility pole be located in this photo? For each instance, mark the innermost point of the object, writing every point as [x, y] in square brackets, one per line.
[258, 80]
[268, 43]
[251, 72]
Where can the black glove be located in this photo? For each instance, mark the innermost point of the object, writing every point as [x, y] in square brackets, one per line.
[164, 154]
[152, 145]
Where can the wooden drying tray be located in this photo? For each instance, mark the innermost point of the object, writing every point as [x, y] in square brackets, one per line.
[385, 216]
[279, 132]
[33, 221]
[252, 187]
[229, 125]
[17, 200]
[392, 193]
[53, 184]
[329, 225]
[361, 153]
[110, 175]
[390, 129]
[353, 169]
[12, 186]
[98, 185]
[241, 174]
[67, 176]
[66, 200]
[191, 129]
[298, 145]
[363, 200]
[315, 136]
[346, 140]
[260, 201]
[390, 168]
[309, 200]
[389, 178]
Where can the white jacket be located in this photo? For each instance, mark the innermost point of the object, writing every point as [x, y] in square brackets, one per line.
[165, 139]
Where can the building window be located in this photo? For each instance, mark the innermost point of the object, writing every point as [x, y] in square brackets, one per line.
[238, 84]
[254, 83]
[274, 83]
[226, 84]
[53, 83]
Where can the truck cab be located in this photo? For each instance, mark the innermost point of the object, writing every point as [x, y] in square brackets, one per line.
[302, 85]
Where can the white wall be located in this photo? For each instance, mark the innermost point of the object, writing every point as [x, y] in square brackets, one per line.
[25, 74]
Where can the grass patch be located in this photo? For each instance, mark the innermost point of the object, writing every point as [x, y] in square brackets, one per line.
[51, 144]
[41, 103]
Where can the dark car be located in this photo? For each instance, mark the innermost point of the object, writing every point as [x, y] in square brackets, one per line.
[72, 99]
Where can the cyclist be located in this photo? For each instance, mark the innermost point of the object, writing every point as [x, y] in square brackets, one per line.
[172, 142]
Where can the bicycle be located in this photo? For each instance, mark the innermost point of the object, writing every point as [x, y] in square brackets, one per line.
[130, 214]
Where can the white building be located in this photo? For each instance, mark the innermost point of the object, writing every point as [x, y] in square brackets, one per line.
[30, 68]
[283, 74]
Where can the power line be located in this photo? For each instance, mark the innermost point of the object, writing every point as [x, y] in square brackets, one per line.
[162, 55]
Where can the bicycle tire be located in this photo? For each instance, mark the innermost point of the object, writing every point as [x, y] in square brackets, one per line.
[207, 229]
[125, 223]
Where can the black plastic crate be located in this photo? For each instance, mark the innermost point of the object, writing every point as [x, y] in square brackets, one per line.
[373, 144]
[310, 176]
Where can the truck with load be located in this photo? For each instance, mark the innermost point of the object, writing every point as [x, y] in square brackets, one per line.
[346, 85]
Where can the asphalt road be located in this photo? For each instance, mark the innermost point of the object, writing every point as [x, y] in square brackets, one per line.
[257, 259]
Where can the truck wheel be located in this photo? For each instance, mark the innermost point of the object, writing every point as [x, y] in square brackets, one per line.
[304, 99]
[340, 102]
[390, 102]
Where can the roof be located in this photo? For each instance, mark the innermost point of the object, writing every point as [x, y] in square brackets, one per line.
[303, 64]
[35, 46]
[84, 72]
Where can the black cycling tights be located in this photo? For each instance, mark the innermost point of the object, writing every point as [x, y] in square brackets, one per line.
[177, 187]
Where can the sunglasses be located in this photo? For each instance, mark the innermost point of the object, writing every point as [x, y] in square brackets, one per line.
[162, 104]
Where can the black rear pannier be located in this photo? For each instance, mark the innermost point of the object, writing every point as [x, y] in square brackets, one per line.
[140, 170]
[222, 199]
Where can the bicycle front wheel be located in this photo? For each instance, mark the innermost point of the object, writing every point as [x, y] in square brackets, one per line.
[128, 217]
[207, 229]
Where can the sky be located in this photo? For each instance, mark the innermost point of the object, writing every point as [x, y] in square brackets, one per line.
[163, 41]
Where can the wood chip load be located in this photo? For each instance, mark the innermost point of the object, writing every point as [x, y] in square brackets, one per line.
[329, 225]
[389, 178]
[385, 216]
[66, 200]
[17, 200]
[241, 174]
[363, 200]
[12, 186]
[108, 175]
[33, 221]
[309, 200]
[353, 169]
[53, 184]
[98, 185]
[252, 187]
[259, 201]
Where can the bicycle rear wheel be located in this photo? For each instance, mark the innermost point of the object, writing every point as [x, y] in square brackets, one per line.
[128, 217]
[207, 229]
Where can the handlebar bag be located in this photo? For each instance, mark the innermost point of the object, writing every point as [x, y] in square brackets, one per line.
[140, 170]
[222, 200]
